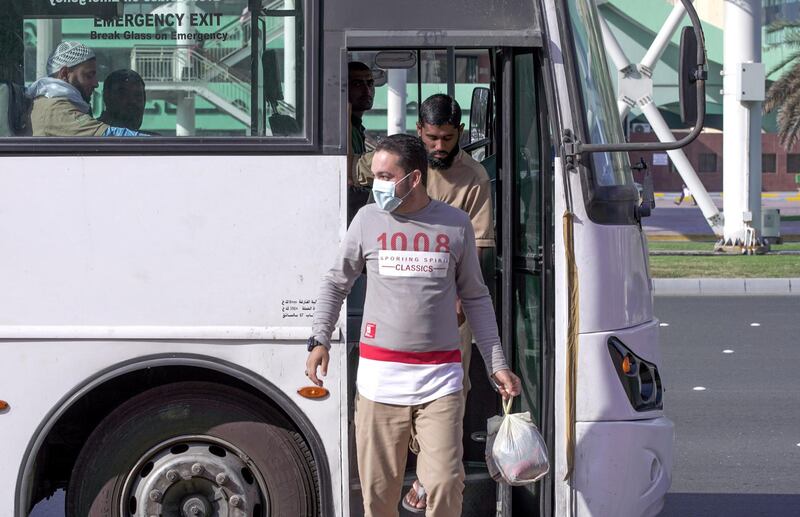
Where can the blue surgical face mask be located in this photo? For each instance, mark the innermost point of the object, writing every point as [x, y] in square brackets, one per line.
[383, 193]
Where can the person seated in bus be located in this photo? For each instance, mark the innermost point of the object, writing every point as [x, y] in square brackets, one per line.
[360, 96]
[410, 379]
[61, 100]
[123, 100]
[455, 178]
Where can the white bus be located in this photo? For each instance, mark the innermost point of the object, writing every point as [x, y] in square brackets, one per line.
[156, 292]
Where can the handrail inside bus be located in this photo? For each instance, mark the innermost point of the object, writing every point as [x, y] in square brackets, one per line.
[477, 144]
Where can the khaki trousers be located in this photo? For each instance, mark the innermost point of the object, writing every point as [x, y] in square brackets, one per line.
[383, 432]
[465, 334]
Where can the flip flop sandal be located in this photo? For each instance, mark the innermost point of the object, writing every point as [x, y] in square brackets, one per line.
[421, 496]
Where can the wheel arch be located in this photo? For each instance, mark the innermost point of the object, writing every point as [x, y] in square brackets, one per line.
[153, 368]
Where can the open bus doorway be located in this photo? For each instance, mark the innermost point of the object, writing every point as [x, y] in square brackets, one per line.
[501, 96]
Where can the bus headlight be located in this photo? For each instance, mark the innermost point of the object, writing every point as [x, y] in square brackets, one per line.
[640, 379]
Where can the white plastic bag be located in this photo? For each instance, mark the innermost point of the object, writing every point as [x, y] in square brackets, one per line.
[515, 450]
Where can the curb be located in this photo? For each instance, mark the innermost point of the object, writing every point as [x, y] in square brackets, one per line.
[726, 286]
[696, 253]
[710, 238]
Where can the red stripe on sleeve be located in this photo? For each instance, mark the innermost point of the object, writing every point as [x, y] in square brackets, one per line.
[398, 356]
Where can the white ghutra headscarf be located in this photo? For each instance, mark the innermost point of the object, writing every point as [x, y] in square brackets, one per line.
[69, 54]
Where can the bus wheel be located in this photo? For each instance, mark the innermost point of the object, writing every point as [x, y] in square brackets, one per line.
[194, 449]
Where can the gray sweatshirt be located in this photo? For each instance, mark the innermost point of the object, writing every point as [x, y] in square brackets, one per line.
[417, 265]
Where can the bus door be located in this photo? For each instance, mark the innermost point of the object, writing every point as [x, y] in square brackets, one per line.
[499, 91]
[524, 219]
[405, 78]
[514, 148]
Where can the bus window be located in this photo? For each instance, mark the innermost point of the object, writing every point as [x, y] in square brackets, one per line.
[610, 169]
[428, 77]
[174, 69]
[528, 278]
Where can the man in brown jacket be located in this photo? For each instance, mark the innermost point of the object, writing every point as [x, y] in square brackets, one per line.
[455, 178]
[61, 100]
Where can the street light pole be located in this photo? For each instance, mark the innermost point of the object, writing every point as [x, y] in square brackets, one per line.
[743, 93]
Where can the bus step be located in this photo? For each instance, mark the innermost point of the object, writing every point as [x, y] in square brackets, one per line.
[480, 492]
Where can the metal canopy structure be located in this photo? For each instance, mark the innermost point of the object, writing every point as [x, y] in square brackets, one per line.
[743, 93]
[635, 91]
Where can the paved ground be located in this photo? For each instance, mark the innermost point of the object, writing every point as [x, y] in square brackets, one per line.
[686, 219]
[737, 450]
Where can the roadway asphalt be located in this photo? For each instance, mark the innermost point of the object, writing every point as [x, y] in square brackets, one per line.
[737, 440]
[686, 219]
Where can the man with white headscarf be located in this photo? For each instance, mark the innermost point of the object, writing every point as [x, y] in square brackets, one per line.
[61, 100]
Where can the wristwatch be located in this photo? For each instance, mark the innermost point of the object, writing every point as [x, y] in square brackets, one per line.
[312, 343]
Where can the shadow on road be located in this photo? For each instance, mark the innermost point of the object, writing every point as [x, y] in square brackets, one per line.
[731, 505]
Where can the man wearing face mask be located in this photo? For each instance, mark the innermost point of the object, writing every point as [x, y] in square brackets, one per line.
[61, 100]
[420, 257]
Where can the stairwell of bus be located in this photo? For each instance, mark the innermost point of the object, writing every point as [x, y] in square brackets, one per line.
[499, 91]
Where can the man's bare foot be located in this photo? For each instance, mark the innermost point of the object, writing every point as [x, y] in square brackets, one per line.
[415, 500]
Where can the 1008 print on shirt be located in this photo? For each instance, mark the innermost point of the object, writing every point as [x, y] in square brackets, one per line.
[419, 262]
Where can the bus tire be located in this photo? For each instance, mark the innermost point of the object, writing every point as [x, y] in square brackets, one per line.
[194, 443]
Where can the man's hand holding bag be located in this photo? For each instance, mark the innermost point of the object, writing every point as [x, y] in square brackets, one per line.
[515, 450]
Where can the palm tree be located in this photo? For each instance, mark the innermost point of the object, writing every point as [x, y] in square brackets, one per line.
[784, 94]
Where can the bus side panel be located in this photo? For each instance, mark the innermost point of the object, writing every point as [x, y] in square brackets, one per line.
[166, 240]
[615, 287]
[172, 244]
[623, 457]
[600, 394]
[623, 469]
[38, 374]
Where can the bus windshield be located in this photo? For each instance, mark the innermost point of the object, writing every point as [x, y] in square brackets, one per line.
[602, 119]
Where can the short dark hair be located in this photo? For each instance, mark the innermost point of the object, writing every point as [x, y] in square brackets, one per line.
[357, 66]
[410, 152]
[120, 76]
[440, 109]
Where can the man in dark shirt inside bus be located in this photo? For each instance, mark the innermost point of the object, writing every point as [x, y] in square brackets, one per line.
[360, 96]
[123, 99]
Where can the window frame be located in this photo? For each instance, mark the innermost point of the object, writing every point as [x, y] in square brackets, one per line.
[773, 157]
[792, 157]
[702, 162]
[201, 145]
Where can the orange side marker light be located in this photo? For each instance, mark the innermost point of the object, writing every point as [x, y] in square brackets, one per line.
[313, 392]
[626, 364]
[3, 405]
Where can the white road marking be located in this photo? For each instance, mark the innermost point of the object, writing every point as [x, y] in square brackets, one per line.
[755, 324]
[663, 324]
[728, 351]
[699, 388]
